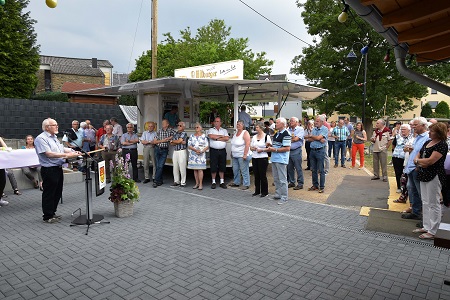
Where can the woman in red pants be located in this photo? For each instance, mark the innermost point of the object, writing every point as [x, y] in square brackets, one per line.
[359, 137]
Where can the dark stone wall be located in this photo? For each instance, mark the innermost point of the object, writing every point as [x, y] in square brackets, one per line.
[21, 117]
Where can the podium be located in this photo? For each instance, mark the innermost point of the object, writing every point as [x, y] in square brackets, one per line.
[89, 218]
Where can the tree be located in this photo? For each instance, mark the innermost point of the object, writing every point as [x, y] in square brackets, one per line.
[19, 54]
[212, 43]
[427, 111]
[325, 65]
[441, 110]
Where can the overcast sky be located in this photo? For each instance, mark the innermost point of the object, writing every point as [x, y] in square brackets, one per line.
[106, 29]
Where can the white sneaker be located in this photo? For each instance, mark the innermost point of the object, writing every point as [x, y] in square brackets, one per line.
[3, 202]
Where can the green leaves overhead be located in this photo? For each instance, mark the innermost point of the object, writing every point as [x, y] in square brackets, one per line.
[19, 54]
[212, 43]
[325, 65]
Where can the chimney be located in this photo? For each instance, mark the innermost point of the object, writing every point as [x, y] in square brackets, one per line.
[94, 62]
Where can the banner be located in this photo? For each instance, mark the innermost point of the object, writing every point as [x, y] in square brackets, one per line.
[101, 175]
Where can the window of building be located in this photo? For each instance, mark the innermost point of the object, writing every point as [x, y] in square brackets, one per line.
[48, 80]
[433, 92]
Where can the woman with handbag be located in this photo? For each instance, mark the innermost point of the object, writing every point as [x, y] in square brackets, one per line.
[260, 160]
[431, 174]
[241, 155]
[197, 146]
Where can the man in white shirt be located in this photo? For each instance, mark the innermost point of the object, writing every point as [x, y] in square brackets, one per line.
[117, 128]
[218, 138]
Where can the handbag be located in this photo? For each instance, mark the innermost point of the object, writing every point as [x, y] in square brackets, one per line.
[249, 154]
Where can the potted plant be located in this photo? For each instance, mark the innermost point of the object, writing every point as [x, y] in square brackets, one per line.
[124, 191]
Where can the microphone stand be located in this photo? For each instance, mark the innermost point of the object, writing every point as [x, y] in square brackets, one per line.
[89, 218]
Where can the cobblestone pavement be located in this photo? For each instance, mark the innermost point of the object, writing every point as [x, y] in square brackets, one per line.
[211, 244]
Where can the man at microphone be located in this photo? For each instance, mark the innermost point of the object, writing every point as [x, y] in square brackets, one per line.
[52, 155]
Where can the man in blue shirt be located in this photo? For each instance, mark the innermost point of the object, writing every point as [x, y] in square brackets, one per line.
[349, 138]
[340, 133]
[52, 155]
[295, 156]
[172, 117]
[318, 138]
[244, 116]
[419, 125]
[280, 148]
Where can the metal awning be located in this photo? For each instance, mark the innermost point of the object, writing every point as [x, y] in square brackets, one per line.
[415, 27]
[215, 89]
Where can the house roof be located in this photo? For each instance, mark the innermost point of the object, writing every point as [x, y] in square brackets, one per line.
[77, 70]
[74, 66]
[69, 87]
[70, 61]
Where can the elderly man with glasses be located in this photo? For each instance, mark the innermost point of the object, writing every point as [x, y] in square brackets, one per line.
[179, 157]
[129, 141]
[163, 137]
[52, 155]
[420, 127]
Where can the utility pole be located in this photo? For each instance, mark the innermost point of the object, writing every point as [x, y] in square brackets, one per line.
[154, 38]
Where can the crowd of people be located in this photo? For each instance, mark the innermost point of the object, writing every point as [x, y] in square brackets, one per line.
[419, 150]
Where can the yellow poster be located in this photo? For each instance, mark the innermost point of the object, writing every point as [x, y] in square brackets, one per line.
[187, 112]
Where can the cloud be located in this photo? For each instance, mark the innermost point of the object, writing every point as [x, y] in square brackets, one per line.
[106, 29]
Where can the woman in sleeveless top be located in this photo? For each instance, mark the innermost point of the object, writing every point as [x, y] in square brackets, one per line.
[359, 137]
[260, 160]
[240, 147]
[28, 171]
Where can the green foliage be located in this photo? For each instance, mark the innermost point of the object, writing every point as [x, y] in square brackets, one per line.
[223, 110]
[442, 109]
[211, 44]
[51, 96]
[427, 111]
[127, 100]
[325, 65]
[19, 54]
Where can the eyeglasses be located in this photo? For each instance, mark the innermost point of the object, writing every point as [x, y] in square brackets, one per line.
[54, 125]
[180, 125]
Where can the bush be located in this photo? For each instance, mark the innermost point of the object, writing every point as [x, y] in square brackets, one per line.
[51, 96]
[442, 109]
[426, 111]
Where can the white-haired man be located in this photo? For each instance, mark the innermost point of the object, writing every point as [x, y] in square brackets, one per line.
[52, 155]
[319, 140]
[381, 139]
[419, 126]
[280, 148]
[295, 156]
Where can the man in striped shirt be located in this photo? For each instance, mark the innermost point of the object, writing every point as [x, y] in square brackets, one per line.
[340, 133]
[280, 148]
[163, 137]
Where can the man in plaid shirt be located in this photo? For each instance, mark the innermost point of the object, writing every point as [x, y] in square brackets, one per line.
[163, 137]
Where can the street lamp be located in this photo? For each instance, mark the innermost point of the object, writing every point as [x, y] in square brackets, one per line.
[352, 56]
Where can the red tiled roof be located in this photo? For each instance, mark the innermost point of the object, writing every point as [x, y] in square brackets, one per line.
[69, 87]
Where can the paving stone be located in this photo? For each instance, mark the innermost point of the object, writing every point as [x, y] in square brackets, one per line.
[210, 245]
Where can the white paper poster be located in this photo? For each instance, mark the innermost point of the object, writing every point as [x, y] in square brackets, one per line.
[101, 175]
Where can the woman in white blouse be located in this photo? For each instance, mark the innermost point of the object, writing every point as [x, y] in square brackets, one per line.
[260, 160]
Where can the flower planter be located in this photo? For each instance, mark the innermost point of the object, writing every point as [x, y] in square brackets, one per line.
[123, 209]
